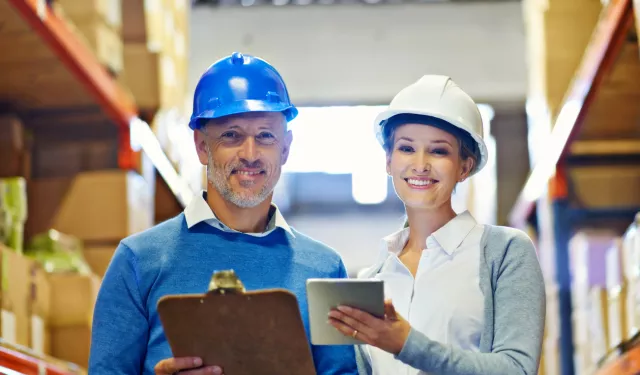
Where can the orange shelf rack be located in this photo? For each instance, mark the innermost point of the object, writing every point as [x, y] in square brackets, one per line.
[134, 134]
[548, 192]
[628, 363]
[80, 61]
[18, 362]
[598, 59]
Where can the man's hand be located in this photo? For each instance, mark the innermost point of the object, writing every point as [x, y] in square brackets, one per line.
[185, 366]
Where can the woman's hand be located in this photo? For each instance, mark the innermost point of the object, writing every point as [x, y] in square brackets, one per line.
[388, 334]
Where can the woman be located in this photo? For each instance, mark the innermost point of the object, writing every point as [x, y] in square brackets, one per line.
[465, 298]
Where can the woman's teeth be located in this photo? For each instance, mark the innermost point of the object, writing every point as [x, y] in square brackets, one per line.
[420, 182]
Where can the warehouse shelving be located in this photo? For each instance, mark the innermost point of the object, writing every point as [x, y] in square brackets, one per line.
[47, 70]
[52, 80]
[19, 361]
[626, 363]
[576, 139]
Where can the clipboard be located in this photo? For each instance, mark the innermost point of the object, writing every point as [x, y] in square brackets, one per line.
[246, 333]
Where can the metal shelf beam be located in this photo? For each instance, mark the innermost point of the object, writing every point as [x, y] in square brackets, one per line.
[606, 43]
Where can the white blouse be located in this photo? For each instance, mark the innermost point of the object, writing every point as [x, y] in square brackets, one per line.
[444, 301]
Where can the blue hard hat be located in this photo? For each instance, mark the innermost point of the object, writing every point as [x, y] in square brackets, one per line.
[239, 84]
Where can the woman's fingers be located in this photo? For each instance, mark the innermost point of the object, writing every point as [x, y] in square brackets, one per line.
[390, 311]
[349, 331]
[359, 315]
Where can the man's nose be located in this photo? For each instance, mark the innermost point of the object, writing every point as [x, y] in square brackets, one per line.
[249, 150]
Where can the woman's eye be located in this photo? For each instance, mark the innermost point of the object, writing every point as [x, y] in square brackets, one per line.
[441, 151]
[405, 148]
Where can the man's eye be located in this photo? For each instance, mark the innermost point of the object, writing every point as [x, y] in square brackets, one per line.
[266, 138]
[230, 135]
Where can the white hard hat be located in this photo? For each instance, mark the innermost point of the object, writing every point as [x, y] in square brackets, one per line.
[438, 96]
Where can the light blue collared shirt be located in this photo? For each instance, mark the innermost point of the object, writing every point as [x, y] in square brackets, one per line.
[198, 211]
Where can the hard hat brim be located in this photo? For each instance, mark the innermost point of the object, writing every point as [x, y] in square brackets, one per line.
[243, 106]
[382, 118]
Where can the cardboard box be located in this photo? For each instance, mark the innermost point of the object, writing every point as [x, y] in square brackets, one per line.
[141, 75]
[68, 158]
[108, 11]
[582, 359]
[72, 343]
[15, 163]
[40, 307]
[593, 185]
[99, 257]
[103, 206]
[631, 250]
[142, 22]
[14, 150]
[73, 298]
[551, 350]
[105, 43]
[598, 324]
[557, 33]
[152, 77]
[617, 295]
[614, 261]
[587, 250]
[552, 326]
[632, 307]
[14, 317]
[580, 322]
[618, 332]
[11, 132]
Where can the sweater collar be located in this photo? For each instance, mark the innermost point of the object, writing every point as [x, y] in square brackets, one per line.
[198, 211]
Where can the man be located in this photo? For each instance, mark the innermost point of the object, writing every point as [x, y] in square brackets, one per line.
[240, 114]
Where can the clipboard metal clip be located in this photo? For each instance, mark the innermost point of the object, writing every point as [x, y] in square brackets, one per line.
[223, 282]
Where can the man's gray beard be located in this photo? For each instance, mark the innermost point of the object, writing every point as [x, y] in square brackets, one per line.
[217, 176]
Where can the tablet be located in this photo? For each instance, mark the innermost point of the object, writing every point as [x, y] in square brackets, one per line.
[326, 294]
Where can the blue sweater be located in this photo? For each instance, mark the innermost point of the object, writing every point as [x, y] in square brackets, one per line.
[169, 258]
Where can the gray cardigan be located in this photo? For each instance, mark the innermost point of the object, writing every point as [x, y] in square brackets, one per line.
[514, 315]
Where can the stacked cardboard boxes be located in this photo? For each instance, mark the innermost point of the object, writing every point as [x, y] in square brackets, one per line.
[550, 359]
[72, 301]
[99, 208]
[25, 305]
[558, 32]
[155, 52]
[588, 254]
[631, 272]
[99, 24]
[605, 293]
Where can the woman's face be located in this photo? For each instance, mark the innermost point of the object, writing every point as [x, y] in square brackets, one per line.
[425, 165]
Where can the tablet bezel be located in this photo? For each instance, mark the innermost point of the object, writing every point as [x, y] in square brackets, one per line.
[326, 294]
